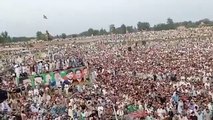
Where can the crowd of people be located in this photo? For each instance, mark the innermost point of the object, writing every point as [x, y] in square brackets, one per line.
[164, 75]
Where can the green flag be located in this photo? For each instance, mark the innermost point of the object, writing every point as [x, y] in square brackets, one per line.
[132, 108]
[44, 78]
[52, 75]
[82, 117]
[32, 81]
[63, 73]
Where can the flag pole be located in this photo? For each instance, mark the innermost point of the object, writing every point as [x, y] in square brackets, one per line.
[116, 118]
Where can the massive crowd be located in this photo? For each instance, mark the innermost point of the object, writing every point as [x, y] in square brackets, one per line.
[168, 77]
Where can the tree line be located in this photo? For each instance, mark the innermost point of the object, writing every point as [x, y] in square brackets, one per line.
[141, 26]
[123, 29]
[4, 37]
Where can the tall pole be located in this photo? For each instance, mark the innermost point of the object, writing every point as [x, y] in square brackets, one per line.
[49, 53]
[116, 118]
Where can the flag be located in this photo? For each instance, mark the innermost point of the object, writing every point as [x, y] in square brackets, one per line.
[17, 81]
[132, 108]
[44, 78]
[32, 81]
[44, 16]
[52, 75]
[63, 73]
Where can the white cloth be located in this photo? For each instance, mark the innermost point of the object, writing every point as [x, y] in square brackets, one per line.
[5, 106]
[200, 116]
[36, 92]
[33, 109]
[120, 112]
[17, 71]
[160, 112]
[180, 106]
[100, 110]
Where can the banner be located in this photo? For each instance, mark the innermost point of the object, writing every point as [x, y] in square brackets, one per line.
[138, 114]
[77, 74]
[73, 75]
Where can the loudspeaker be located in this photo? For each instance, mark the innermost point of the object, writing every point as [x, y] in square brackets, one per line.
[3, 95]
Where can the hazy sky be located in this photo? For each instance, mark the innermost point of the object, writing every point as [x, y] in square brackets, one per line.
[25, 17]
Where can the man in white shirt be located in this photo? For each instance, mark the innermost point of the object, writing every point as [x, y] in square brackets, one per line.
[180, 106]
[210, 106]
[17, 70]
[35, 91]
[207, 114]
[207, 85]
[200, 115]
[161, 112]
[30, 93]
[150, 117]
[70, 112]
[5, 107]
[46, 66]
[100, 110]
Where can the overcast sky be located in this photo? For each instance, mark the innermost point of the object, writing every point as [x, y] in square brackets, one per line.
[25, 17]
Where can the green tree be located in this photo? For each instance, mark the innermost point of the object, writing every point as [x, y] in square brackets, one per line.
[123, 29]
[143, 26]
[64, 36]
[95, 32]
[129, 29]
[74, 35]
[40, 36]
[48, 36]
[17, 39]
[90, 32]
[4, 37]
[112, 28]
[170, 21]
[102, 32]
[85, 33]
[1, 39]
[170, 24]
[160, 27]
[120, 30]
